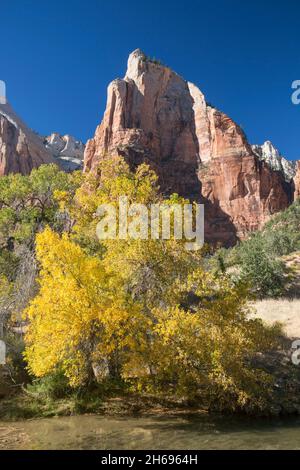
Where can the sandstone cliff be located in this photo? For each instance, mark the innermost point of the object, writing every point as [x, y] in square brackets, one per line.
[297, 181]
[21, 149]
[153, 115]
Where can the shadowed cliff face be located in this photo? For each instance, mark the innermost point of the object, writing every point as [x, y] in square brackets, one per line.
[155, 116]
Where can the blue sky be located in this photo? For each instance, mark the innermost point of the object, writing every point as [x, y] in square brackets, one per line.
[57, 58]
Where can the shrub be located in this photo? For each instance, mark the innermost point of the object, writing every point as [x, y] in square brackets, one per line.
[264, 273]
[53, 386]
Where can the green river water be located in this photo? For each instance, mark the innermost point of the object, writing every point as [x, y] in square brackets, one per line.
[98, 432]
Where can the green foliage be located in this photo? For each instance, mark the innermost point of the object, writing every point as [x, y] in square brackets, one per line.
[153, 60]
[8, 264]
[52, 386]
[15, 366]
[263, 271]
[27, 203]
[257, 259]
[282, 232]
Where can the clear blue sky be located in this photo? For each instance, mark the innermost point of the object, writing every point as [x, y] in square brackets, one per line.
[57, 58]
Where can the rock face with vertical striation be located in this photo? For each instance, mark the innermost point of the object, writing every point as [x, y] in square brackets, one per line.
[149, 118]
[155, 116]
[21, 149]
[297, 181]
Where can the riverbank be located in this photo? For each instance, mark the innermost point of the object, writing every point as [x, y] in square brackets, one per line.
[52, 397]
[22, 406]
[120, 402]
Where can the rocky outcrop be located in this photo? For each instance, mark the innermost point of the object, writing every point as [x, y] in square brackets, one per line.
[289, 169]
[240, 191]
[297, 181]
[268, 153]
[67, 150]
[155, 116]
[21, 149]
[239, 194]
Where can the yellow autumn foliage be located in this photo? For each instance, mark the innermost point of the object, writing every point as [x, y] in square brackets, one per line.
[147, 309]
[78, 318]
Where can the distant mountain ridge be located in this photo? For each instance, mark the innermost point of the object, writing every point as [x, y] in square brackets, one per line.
[22, 149]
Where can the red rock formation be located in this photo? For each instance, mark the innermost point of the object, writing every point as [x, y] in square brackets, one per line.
[240, 194]
[155, 116]
[297, 181]
[149, 117]
[20, 149]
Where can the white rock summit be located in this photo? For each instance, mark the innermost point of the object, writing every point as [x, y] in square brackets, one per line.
[268, 153]
[66, 149]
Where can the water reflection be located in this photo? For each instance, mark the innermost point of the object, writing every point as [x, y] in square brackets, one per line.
[205, 432]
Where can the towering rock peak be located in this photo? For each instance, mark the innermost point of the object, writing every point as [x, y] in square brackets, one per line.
[139, 64]
[21, 149]
[155, 112]
[135, 65]
[149, 117]
[155, 116]
[67, 150]
[270, 154]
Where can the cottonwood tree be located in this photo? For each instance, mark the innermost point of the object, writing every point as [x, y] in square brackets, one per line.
[146, 308]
